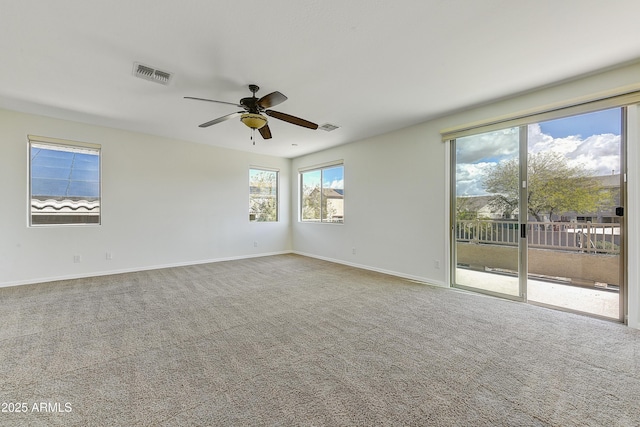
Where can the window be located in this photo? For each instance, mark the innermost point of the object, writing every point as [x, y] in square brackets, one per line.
[263, 195]
[64, 182]
[322, 191]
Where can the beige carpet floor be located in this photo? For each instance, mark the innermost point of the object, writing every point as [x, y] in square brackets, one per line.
[289, 340]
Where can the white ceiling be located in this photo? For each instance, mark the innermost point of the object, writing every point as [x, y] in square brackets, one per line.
[369, 66]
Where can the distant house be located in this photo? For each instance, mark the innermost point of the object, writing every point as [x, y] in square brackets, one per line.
[334, 198]
[335, 203]
[480, 207]
[606, 215]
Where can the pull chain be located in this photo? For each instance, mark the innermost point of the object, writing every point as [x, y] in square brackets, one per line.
[253, 134]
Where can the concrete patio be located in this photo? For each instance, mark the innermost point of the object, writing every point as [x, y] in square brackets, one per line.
[599, 302]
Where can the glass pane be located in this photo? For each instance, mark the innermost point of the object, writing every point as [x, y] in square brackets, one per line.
[574, 232]
[64, 184]
[486, 206]
[333, 194]
[263, 195]
[311, 197]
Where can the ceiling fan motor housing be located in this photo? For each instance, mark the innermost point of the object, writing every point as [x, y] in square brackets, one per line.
[251, 105]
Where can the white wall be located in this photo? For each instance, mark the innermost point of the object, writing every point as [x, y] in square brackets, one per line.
[164, 202]
[396, 185]
[394, 209]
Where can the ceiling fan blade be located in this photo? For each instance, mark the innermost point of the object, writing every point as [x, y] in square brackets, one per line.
[274, 98]
[291, 119]
[265, 132]
[213, 100]
[221, 119]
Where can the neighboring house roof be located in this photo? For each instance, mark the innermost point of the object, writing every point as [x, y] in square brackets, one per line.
[330, 193]
[474, 203]
[333, 193]
[612, 180]
[65, 206]
[255, 190]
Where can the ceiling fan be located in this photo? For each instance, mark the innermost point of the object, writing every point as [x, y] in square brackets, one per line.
[253, 108]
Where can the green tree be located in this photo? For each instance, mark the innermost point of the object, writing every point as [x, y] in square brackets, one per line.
[311, 202]
[553, 186]
[263, 199]
[315, 203]
[465, 209]
[502, 181]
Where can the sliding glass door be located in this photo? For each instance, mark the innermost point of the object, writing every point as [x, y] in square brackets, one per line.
[486, 223]
[537, 213]
[575, 217]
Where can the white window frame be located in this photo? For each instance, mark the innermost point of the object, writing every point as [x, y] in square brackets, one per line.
[321, 168]
[66, 145]
[265, 169]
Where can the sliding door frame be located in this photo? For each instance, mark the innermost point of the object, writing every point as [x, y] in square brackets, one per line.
[627, 103]
[523, 213]
[522, 255]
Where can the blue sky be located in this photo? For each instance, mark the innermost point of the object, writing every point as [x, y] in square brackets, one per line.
[333, 177]
[597, 123]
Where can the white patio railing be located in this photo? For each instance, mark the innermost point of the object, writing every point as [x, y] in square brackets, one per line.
[568, 236]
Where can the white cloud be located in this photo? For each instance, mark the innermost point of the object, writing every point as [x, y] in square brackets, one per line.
[598, 153]
[336, 183]
[493, 145]
[469, 178]
[539, 141]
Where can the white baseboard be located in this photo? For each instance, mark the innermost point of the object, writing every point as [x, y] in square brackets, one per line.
[135, 269]
[207, 261]
[378, 270]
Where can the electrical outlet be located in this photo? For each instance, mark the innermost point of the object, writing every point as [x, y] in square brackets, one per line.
[436, 264]
[109, 256]
[255, 244]
[77, 259]
[353, 251]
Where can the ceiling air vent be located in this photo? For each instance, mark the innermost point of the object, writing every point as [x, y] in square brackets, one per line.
[151, 74]
[328, 127]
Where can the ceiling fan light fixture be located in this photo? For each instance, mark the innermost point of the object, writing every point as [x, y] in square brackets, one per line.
[254, 121]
